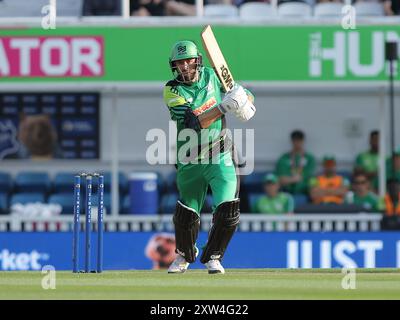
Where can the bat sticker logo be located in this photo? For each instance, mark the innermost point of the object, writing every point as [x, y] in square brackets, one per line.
[226, 76]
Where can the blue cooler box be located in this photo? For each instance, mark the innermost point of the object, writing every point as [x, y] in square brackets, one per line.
[143, 193]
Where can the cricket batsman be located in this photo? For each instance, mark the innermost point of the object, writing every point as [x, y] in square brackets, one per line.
[198, 105]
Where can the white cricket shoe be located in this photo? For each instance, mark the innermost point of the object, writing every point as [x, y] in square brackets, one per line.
[214, 266]
[180, 264]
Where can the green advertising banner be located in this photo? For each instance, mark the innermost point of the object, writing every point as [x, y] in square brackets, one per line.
[254, 53]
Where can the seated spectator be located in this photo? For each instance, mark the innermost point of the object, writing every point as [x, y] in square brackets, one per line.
[392, 198]
[180, 8]
[328, 187]
[362, 195]
[38, 138]
[101, 8]
[147, 8]
[368, 161]
[168, 7]
[393, 167]
[274, 201]
[295, 167]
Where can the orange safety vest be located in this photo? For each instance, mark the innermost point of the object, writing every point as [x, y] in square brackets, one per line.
[390, 210]
[333, 182]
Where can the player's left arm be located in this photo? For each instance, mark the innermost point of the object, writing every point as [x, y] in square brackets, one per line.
[207, 118]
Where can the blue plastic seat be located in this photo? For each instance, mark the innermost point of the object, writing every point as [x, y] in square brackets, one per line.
[64, 182]
[122, 182]
[34, 182]
[24, 198]
[3, 203]
[171, 182]
[65, 200]
[253, 198]
[5, 182]
[300, 199]
[254, 182]
[168, 203]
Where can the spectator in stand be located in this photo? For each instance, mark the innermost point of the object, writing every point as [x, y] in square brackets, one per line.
[274, 201]
[392, 198]
[368, 161]
[362, 194]
[329, 187]
[391, 7]
[146, 8]
[296, 167]
[325, 1]
[168, 7]
[38, 138]
[393, 167]
[180, 8]
[101, 8]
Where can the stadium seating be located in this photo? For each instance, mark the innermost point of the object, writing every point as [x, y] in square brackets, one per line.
[3, 203]
[253, 198]
[369, 9]
[329, 208]
[5, 182]
[300, 200]
[122, 181]
[63, 182]
[294, 9]
[32, 182]
[69, 8]
[254, 182]
[168, 203]
[25, 198]
[22, 8]
[65, 200]
[220, 10]
[328, 9]
[256, 10]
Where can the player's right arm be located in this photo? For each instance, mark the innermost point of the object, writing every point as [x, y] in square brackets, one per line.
[177, 105]
[181, 112]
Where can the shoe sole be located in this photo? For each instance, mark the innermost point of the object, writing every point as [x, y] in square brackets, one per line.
[172, 272]
[215, 272]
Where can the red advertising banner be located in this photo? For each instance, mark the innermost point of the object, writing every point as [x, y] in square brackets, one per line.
[61, 56]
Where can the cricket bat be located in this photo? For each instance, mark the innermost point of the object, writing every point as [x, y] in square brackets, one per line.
[216, 58]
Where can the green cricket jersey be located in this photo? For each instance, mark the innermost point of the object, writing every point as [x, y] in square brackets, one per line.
[389, 170]
[289, 164]
[282, 203]
[370, 201]
[201, 96]
[367, 161]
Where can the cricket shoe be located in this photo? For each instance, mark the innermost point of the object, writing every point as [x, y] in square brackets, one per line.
[180, 264]
[214, 266]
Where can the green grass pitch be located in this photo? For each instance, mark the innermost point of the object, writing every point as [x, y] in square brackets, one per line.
[197, 284]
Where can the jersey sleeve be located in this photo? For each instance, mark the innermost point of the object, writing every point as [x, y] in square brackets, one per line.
[290, 203]
[176, 104]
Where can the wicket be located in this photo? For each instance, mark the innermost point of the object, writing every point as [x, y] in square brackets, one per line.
[88, 221]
